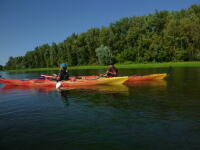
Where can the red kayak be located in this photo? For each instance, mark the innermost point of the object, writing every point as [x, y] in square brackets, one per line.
[32, 82]
[150, 77]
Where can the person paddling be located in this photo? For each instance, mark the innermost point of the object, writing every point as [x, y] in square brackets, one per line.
[112, 71]
[63, 73]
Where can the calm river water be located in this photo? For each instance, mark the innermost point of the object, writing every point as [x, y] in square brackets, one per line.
[146, 116]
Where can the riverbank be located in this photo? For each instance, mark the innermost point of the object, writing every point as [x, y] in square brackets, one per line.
[136, 65]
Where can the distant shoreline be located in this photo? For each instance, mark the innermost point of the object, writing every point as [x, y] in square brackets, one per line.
[128, 66]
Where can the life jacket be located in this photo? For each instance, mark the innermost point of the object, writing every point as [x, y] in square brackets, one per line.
[63, 74]
[112, 72]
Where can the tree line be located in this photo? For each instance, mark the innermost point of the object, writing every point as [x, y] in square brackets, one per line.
[160, 37]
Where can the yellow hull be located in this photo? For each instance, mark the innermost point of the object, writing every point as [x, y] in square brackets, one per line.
[100, 81]
[113, 80]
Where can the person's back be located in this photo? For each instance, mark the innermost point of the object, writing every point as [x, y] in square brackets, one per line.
[63, 73]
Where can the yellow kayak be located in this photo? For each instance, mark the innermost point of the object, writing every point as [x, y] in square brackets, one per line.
[100, 81]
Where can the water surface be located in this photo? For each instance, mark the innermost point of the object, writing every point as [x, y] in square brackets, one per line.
[151, 115]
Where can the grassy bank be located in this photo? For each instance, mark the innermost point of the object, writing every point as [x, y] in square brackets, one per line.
[144, 65]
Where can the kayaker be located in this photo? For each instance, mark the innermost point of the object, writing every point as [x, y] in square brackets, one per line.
[63, 73]
[112, 71]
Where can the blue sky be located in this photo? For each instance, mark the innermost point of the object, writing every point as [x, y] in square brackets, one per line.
[25, 24]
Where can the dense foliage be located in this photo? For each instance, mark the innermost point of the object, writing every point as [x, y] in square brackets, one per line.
[160, 37]
[104, 54]
[1, 67]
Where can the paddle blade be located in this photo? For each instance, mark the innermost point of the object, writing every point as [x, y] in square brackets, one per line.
[58, 85]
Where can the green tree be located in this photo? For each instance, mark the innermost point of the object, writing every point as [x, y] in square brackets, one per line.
[104, 54]
[1, 67]
[159, 37]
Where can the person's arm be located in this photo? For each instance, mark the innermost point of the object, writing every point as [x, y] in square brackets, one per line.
[67, 75]
[59, 76]
[108, 71]
[105, 74]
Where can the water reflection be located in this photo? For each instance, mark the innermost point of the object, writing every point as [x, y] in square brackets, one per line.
[102, 88]
[154, 83]
[123, 88]
[64, 96]
[117, 96]
[8, 88]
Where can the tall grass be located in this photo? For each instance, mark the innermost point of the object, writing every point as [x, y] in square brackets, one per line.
[133, 65]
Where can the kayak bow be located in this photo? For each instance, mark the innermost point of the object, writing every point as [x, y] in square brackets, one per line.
[150, 77]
